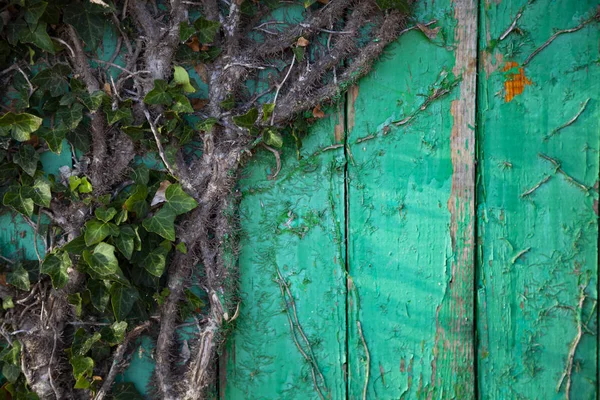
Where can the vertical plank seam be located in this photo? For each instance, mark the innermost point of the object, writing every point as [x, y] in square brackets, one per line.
[478, 125]
[346, 243]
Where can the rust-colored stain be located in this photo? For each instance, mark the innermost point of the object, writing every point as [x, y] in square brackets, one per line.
[338, 130]
[515, 82]
[353, 94]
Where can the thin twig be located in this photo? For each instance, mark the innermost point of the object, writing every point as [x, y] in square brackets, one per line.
[31, 88]
[67, 45]
[121, 68]
[536, 187]
[279, 88]
[50, 363]
[161, 150]
[277, 160]
[570, 122]
[553, 37]
[512, 26]
[568, 177]
[368, 361]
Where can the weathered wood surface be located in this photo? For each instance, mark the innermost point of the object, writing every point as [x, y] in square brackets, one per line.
[537, 201]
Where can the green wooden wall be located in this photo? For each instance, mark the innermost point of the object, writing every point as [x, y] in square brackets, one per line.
[435, 237]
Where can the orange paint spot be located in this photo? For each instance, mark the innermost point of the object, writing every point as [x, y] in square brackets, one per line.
[515, 82]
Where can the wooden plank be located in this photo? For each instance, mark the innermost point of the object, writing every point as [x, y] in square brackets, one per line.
[537, 227]
[411, 215]
[292, 225]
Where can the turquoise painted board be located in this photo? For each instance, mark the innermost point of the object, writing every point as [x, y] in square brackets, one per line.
[410, 308]
[290, 337]
[538, 195]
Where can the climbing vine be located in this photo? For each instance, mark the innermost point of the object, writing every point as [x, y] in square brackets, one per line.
[139, 234]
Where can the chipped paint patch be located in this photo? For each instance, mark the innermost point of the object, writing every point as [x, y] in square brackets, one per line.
[352, 96]
[515, 82]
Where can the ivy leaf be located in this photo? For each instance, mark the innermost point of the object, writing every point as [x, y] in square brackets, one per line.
[37, 36]
[82, 366]
[156, 261]
[21, 125]
[267, 110]
[33, 12]
[27, 158]
[141, 174]
[115, 333]
[70, 117]
[102, 260]
[299, 52]
[89, 26]
[246, 120]
[76, 246]
[181, 77]
[125, 391]
[122, 299]
[92, 101]
[11, 373]
[40, 191]
[123, 113]
[206, 125]
[182, 104]
[80, 137]
[121, 217]
[75, 300]
[96, 231]
[125, 242]
[53, 79]
[185, 31]
[136, 202]
[179, 201]
[207, 30]
[99, 294]
[159, 95]
[104, 214]
[82, 342]
[19, 278]
[53, 137]
[181, 247]
[56, 265]
[14, 198]
[162, 223]
[272, 138]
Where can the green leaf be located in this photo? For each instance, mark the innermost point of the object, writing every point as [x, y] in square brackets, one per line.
[104, 214]
[96, 231]
[185, 31]
[156, 261]
[12, 355]
[207, 30]
[75, 300]
[299, 52]
[85, 186]
[40, 191]
[53, 137]
[70, 117]
[53, 80]
[181, 77]
[267, 110]
[136, 202]
[246, 120]
[56, 266]
[21, 125]
[99, 294]
[82, 342]
[11, 372]
[121, 217]
[206, 125]
[125, 391]
[122, 299]
[82, 383]
[7, 303]
[80, 137]
[162, 223]
[159, 95]
[125, 242]
[89, 26]
[178, 201]
[82, 366]
[272, 138]
[33, 12]
[181, 247]
[102, 260]
[141, 174]
[19, 278]
[27, 158]
[181, 104]
[122, 113]
[37, 36]
[115, 333]
[76, 246]
[92, 101]
[14, 198]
